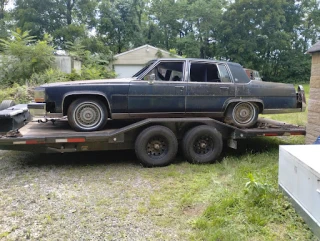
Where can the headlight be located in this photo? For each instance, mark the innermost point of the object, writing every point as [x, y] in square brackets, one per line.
[39, 95]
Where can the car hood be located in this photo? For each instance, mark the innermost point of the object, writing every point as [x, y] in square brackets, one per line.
[89, 82]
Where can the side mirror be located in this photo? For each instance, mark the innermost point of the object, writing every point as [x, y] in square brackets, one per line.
[152, 78]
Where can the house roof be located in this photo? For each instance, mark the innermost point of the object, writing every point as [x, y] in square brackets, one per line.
[140, 55]
[141, 47]
[314, 48]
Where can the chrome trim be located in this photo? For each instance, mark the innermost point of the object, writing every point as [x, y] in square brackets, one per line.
[281, 111]
[54, 115]
[166, 114]
[37, 109]
[120, 116]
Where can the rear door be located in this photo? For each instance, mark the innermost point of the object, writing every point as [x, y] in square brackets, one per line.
[209, 86]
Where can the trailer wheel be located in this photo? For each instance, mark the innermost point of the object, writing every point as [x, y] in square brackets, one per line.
[156, 146]
[202, 144]
[6, 104]
[87, 114]
[243, 114]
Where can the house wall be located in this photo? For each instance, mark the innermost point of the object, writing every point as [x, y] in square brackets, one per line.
[313, 125]
[67, 63]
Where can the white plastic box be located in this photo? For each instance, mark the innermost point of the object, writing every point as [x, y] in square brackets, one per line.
[299, 178]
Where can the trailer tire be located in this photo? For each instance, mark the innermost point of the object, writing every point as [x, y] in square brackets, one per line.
[87, 114]
[6, 104]
[156, 146]
[242, 114]
[202, 144]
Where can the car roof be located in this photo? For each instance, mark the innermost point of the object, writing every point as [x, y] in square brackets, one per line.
[198, 59]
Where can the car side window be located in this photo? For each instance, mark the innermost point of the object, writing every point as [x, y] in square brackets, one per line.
[224, 74]
[204, 72]
[166, 71]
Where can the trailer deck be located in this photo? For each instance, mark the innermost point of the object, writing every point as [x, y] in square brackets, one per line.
[60, 132]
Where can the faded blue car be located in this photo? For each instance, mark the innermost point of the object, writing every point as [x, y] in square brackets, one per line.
[170, 88]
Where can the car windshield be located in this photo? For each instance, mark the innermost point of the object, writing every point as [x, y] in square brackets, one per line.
[144, 68]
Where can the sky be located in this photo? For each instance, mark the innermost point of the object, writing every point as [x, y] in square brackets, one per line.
[10, 5]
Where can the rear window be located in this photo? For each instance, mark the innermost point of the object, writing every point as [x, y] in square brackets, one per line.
[239, 75]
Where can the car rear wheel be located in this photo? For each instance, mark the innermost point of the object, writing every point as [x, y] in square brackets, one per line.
[87, 114]
[243, 114]
[202, 144]
[156, 146]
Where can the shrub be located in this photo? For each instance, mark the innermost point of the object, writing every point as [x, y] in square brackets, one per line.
[48, 76]
[18, 93]
[22, 56]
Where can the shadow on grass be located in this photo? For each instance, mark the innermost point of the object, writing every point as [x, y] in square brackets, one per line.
[256, 146]
[102, 158]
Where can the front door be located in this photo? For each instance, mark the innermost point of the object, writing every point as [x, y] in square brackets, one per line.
[159, 92]
[209, 86]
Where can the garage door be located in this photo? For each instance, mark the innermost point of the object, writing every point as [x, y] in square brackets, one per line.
[125, 71]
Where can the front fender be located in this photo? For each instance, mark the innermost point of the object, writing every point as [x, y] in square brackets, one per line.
[82, 94]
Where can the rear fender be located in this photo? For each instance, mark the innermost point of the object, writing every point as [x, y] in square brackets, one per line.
[236, 100]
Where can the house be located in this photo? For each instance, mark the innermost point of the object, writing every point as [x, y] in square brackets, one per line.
[130, 62]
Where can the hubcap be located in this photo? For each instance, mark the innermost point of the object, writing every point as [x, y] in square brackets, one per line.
[203, 145]
[88, 115]
[244, 113]
[157, 147]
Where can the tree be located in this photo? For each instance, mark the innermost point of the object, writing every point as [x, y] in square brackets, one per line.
[22, 56]
[118, 24]
[199, 25]
[261, 34]
[3, 3]
[57, 17]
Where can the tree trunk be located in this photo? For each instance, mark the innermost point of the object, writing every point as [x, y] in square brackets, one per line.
[2, 5]
[70, 5]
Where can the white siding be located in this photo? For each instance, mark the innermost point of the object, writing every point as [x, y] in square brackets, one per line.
[125, 71]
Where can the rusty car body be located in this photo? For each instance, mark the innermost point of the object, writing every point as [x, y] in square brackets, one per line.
[170, 88]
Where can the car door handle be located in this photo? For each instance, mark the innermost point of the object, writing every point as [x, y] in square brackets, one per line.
[224, 88]
[181, 88]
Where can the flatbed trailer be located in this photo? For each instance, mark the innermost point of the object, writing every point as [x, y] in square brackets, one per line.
[155, 140]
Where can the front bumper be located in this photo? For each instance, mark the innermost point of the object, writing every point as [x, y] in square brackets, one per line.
[37, 109]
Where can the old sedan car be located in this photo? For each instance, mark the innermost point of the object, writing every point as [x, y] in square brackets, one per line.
[170, 88]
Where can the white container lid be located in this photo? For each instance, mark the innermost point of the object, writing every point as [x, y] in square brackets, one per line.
[307, 154]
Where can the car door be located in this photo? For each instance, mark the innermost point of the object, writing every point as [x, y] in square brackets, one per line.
[209, 86]
[160, 91]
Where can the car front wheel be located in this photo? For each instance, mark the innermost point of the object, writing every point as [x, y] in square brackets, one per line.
[87, 114]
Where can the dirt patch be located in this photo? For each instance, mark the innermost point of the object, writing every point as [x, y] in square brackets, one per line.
[88, 196]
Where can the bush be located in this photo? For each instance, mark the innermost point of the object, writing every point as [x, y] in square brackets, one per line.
[22, 56]
[48, 76]
[18, 93]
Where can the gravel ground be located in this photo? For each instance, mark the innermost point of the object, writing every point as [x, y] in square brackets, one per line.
[88, 196]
